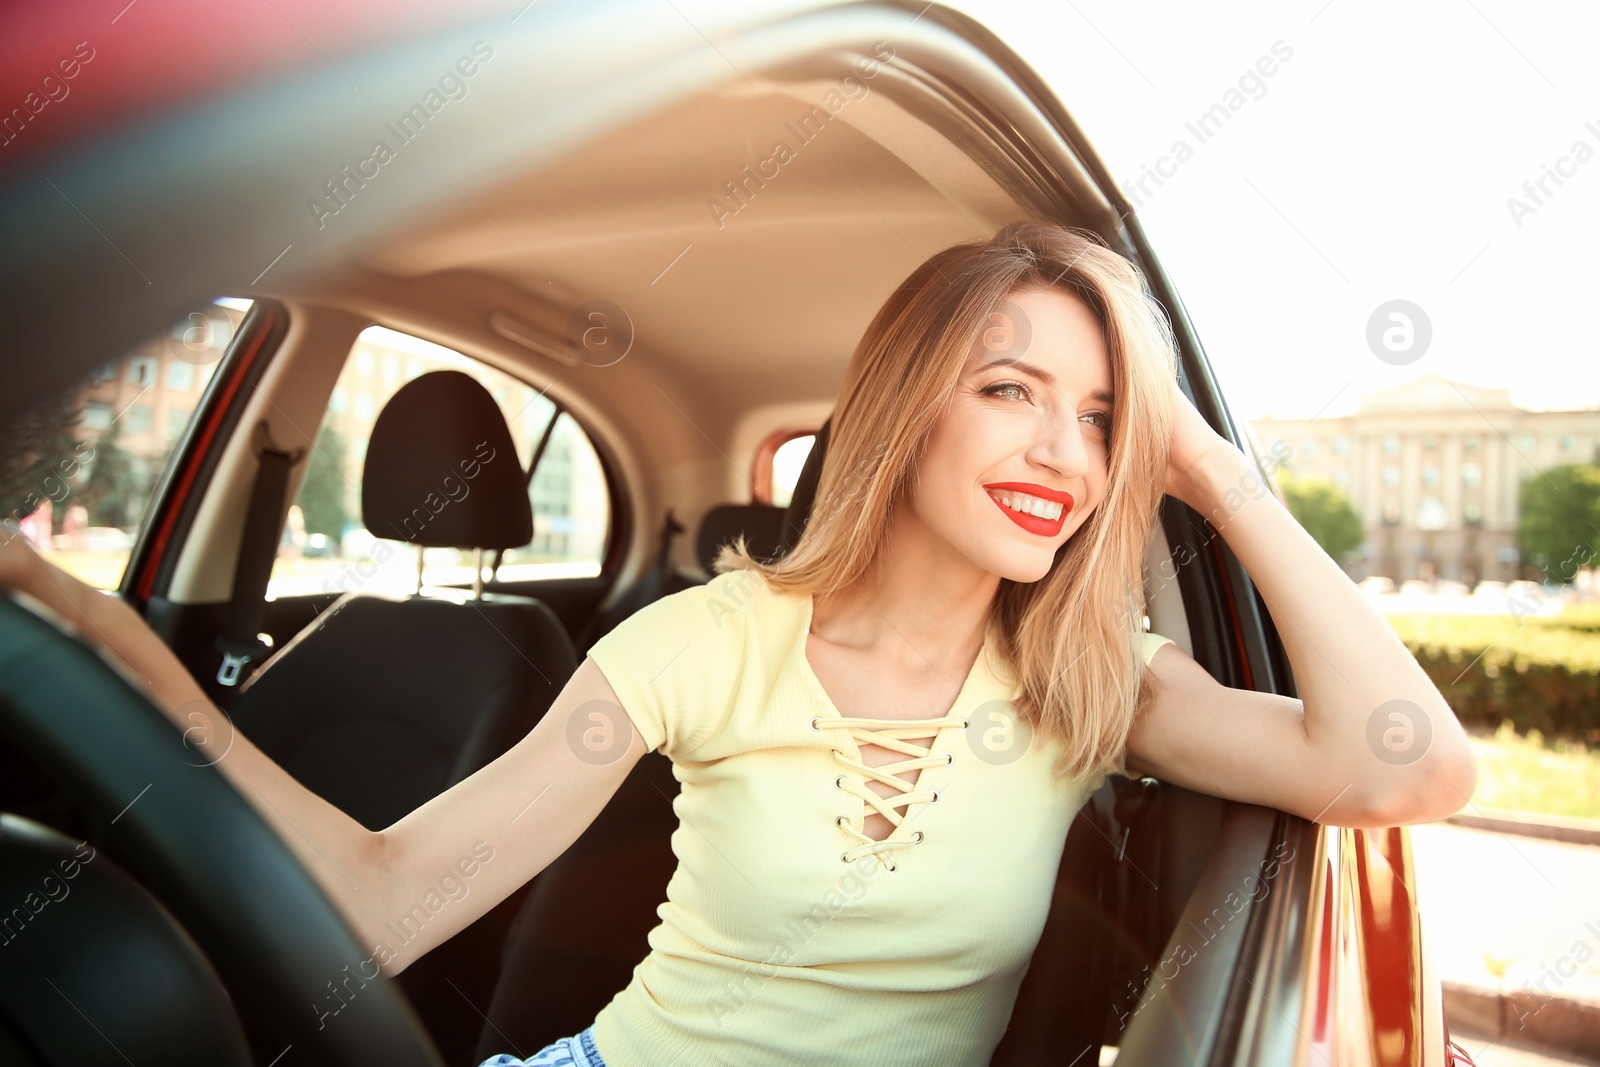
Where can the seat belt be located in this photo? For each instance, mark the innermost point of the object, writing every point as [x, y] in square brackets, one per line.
[239, 644]
[656, 580]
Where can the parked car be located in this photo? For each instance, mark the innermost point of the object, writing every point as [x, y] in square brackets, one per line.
[604, 167]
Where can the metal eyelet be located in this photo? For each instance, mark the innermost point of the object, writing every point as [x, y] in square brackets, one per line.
[916, 835]
[838, 752]
[839, 821]
[892, 867]
[935, 799]
[814, 720]
[949, 758]
[965, 723]
[838, 783]
[844, 857]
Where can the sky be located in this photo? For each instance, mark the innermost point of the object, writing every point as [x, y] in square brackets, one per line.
[1375, 163]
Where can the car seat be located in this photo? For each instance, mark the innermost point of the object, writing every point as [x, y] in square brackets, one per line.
[383, 702]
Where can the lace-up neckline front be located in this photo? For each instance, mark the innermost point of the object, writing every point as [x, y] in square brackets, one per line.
[894, 734]
[891, 734]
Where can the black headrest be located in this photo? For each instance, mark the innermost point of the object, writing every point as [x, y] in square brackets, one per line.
[761, 524]
[805, 492]
[442, 470]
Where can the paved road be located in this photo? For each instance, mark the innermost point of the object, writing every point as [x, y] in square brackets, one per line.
[1487, 1053]
[1517, 907]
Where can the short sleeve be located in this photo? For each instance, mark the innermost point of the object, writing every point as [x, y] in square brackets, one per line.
[674, 663]
[1152, 644]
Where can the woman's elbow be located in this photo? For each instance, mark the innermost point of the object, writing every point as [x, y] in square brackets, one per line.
[1435, 787]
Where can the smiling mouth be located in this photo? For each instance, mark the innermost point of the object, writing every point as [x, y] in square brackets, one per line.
[1035, 513]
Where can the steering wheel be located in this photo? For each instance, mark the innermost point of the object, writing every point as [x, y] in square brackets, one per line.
[262, 920]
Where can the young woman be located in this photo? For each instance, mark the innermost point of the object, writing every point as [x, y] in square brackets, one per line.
[884, 736]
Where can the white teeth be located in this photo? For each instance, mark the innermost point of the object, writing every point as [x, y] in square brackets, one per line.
[1049, 510]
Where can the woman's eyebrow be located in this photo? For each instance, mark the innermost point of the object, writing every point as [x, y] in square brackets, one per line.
[1102, 395]
[1021, 365]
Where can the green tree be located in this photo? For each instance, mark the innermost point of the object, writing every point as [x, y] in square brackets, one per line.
[1559, 525]
[39, 457]
[323, 492]
[112, 491]
[1325, 513]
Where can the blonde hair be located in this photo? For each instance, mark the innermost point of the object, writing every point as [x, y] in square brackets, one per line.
[1072, 637]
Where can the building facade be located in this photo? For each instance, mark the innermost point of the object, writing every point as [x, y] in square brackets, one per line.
[1434, 470]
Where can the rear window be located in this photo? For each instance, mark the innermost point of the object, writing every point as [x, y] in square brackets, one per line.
[326, 548]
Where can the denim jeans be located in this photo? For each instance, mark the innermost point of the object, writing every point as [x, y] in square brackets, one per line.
[575, 1051]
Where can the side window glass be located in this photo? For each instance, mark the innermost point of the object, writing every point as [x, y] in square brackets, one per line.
[787, 462]
[325, 546]
[571, 511]
[77, 473]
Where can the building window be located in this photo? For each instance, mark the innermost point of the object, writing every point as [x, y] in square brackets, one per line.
[96, 415]
[364, 362]
[142, 371]
[1470, 475]
[391, 367]
[1391, 511]
[1430, 441]
[137, 418]
[1472, 513]
[177, 419]
[1308, 447]
[1470, 442]
[103, 374]
[180, 375]
[1341, 445]
[1341, 478]
[1391, 475]
[1430, 475]
[1566, 442]
[1525, 442]
[336, 400]
[1391, 445]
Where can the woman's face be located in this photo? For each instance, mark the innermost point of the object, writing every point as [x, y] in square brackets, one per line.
[1020, 458]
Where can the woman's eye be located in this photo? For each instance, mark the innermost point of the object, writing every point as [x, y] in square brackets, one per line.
[1104, 423]
[1019, 391]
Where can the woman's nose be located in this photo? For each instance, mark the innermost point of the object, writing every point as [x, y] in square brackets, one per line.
[1062, 449]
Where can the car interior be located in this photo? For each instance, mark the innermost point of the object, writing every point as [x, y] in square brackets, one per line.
[734, 325]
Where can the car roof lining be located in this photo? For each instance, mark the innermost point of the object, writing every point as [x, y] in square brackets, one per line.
[732, 341]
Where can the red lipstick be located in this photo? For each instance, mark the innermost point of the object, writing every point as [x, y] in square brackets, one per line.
[1033, 523]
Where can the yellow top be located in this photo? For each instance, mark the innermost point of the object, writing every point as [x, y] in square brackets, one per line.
[788, 936]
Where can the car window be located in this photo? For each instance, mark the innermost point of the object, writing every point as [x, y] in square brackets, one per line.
[326, 548]
[787, 463]
[79, 470]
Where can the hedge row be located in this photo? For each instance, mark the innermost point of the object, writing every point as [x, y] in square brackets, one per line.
[1535, 673]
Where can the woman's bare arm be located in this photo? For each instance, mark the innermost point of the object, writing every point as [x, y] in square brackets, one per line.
[503, 824]
[1370, 742]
